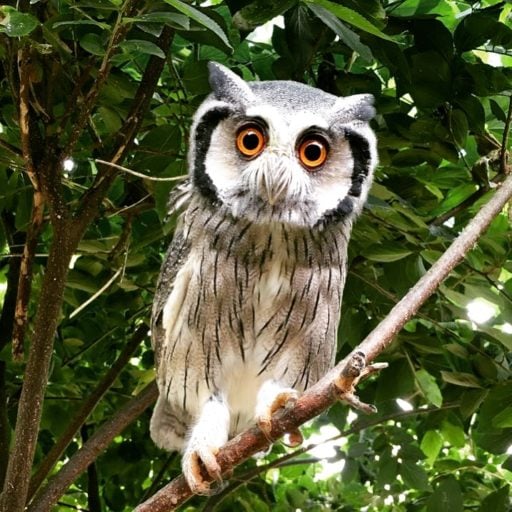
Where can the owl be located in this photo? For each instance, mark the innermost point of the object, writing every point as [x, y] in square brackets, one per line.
[247, 305]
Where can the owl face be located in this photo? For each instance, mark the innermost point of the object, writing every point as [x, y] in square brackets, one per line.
[282, 151]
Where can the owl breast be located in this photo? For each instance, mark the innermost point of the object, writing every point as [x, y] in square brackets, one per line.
[251, 302]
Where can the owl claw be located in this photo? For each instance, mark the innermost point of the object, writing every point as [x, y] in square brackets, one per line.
[281, 400]
[294, 438]
[193, 463]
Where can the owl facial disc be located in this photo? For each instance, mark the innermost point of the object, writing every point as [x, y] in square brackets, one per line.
[282, 151]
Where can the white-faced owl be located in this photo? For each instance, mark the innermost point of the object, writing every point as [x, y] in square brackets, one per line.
[247, 305]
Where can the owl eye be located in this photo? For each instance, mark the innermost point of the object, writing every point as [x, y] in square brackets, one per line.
[250, 140]
[313, 152]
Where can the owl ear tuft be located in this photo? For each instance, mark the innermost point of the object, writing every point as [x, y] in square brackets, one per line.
[228, 86]
[354, 108]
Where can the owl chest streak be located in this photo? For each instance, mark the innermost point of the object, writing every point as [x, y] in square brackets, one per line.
[235, 314]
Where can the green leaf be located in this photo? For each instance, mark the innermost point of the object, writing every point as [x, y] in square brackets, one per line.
[429, 388]
[350, 38]
[200, 18]
[497, 111]
[137, 46]
[471, 401]
[446, 497]
[503, 419]
[431, 445]
[497, 501]
[455, 196]
[17, 24]
[350, 16]
[463, 379]
[388, 469]
[103, 26]
[258, 12]
[386, 252]
[452, 433]
[459, 127]
[92, 43]
[173, 19]
[498, 335]
[414, 476]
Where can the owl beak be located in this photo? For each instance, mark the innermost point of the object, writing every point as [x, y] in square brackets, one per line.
[271, 190]
[273, 182]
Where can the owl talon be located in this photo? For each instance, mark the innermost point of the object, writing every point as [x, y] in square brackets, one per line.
[281, 400]
[193, 464]
[294, 438]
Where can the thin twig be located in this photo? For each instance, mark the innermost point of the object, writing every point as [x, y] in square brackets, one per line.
[97, 294]
[9, 147]
[504, 144]
[341, 380]
[139, 174]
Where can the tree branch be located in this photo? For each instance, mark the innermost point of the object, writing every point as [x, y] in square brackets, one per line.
[340, 382]
[85, 410]
[30, 404]
[78, 463]
[38, 202]
[504, 144]
[14, 239]
[93, 494]
[26, 273]
[356, 427]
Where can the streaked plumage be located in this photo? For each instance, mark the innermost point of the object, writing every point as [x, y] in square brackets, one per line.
[247, 304]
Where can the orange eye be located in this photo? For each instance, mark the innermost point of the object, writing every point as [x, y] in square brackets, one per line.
[250, 140]
[313, 153]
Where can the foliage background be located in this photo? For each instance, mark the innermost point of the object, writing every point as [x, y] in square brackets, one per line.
[441, 74]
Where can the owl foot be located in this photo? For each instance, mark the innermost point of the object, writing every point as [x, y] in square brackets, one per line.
[293, 438]
[210, 432]
[264, 418]
[198, 463]
[355, 371]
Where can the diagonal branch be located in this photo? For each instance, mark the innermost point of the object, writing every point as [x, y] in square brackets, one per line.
[340, 382]
[285, 459]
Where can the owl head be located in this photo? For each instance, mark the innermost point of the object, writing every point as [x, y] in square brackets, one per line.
[282, 151]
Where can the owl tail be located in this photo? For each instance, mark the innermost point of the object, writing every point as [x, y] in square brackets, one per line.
[168, 427]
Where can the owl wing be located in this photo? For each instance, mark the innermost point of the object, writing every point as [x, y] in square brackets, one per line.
[173, 261]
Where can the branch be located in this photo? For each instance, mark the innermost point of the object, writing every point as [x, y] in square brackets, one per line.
[14, 238]
[26, 273]
[287, 459]
[340, 382]
[504, 144]
[30, 405]
[27, 259]
[93, 494]
[85, 410]
[89, 452]
[9, 147]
